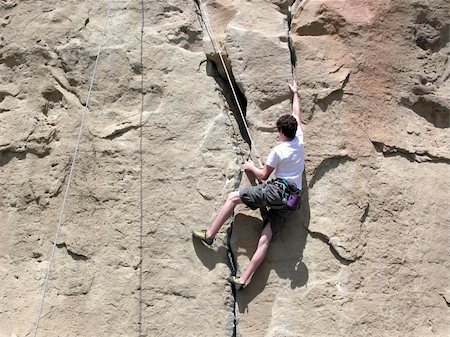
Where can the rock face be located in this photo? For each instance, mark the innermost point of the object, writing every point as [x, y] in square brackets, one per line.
[96, 232]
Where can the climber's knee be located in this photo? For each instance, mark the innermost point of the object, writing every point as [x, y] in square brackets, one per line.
[266, 235]
[233, 197]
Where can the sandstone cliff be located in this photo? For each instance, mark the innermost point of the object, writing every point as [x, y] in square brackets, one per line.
[162, 143]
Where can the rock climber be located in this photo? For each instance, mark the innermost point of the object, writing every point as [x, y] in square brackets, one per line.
[279, 196]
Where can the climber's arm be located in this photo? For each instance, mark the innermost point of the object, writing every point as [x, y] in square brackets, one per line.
[260, 173]
[296, 111]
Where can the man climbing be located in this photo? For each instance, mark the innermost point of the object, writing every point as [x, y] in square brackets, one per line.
[280, 196]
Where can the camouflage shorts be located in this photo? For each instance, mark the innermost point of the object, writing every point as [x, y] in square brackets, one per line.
[270, 195]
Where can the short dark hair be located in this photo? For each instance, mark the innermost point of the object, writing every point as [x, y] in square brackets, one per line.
[287, 124]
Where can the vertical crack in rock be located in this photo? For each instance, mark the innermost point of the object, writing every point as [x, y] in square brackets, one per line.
[291, 47]
[292, 9]
[232, 262]
[233, 268]
[141, 169]
[213, 69]
[237, 103]
[296, 6]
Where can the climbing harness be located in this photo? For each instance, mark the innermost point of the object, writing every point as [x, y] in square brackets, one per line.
[69, 180]
[205, 20]
[289, 195]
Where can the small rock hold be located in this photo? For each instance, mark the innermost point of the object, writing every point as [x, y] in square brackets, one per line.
[8, 4]
[426, 36]
[423, 89]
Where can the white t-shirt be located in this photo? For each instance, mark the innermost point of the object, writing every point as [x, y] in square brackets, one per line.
[288, 159]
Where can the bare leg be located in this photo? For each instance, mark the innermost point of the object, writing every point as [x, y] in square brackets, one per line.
[260, 253]
[225, 212]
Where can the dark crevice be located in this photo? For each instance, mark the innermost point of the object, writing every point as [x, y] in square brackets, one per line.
[315, 28]
[121, 131]
[233, 269]
[52, 95]
[4, 93]
[235, 98]
[365, 214]
[296, 8]
[6, 156]
[213, 69]
[284, 7]
[433, 110]
[289, 15]
[327, 165]
[414, 157]
[237, 103]
[86, 22]
[75, 256]
[293, 55]
[429, 32]
[12, 60]
[216, 62]
[232, 262]
[446, 300]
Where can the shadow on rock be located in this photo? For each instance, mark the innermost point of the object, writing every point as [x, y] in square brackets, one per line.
[211, 255]
[285, 252]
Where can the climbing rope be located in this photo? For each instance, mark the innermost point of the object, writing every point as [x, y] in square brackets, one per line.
[141, 190]
[204, 16]
[69, 180]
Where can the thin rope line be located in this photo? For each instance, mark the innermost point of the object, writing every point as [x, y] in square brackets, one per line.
[69, 180]
[141, 174]
[205, 20]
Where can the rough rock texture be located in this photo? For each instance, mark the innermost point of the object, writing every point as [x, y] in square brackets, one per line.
[162, 145]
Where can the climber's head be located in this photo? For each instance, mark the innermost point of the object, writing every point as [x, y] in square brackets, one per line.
[287, 125]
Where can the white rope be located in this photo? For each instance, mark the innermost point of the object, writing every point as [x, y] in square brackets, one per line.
[205, 19]
[69, 180]
[141, 160]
